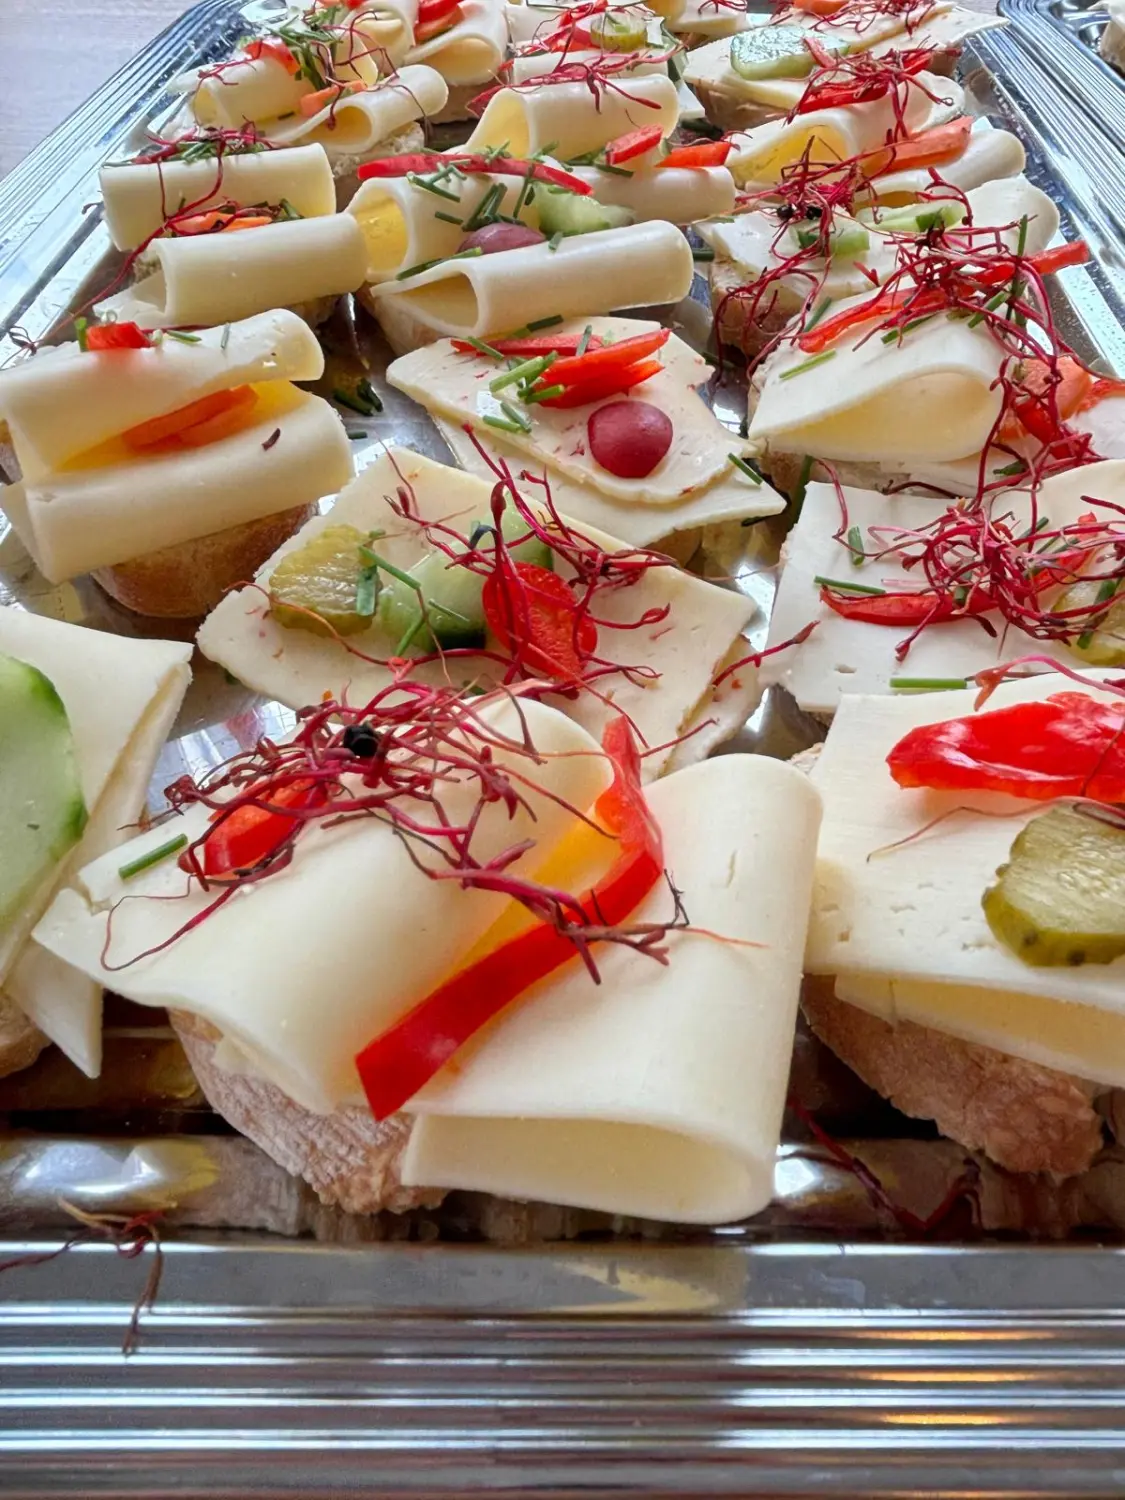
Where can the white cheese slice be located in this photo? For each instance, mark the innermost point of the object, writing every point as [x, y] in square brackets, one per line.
[938, 25]
[914, 913]
[64, 1003]
[106, 394]
[676, 658]
[526, 66]
[355, 124]
[680, 195]
[399, 223]
[284, 969]
[246, 90]
[761, 155]
[708, 67]
[569, 119]
[660, 1091]
[713, 18]
[638, 265]
[79, 519]
[470, 51]
[376, 41]
[863, 402]
[139, 197]
[539, 18]
[941, 27]
[845, 656]
[988, 154]
[726, 501]
[121, 697]
[205, 279]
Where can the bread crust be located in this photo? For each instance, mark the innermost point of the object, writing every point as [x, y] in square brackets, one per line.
[21, 1041]
[1024, 1117]
[729, 112]
[735, 327]
[186, 582]
[349, 1159]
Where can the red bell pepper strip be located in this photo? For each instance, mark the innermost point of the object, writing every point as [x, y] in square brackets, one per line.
[861, 90]
[566, 343]
[1076, 253]
[1102, 389]
[241, 839]
[422, 162]
[1030, 408]
[597, 388]
[616, 356]
[818, 7]
[106, 336]
[425, 31]
[1068, 745]
[275, 49]
[635, 143]
[882, 305]
[698, 154]
[905, 609]
[539, 609]
[171, 427]
[403, 1059]
[434, 10]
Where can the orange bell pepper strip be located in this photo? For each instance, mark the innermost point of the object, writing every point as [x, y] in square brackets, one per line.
[404, 1058]
[1031, 413]
[312, 104]
[939, 143]
[818, 7]
[273, 47]
[698, 154]
[223, 423]
[207, 222]
[170, 428]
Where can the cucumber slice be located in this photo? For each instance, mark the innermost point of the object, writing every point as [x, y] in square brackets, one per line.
[315, 587]
[1060, 899]
[562, 212]
[848, 242]
[776, 52]
[42, 811]
[615, 31]
[916, 218]
[1104, 646]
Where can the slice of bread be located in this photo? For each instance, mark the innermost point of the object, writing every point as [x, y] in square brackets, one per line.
[736, 329]
[1024, 1117]
[1111, 45]
[347, 1158]
[402, 330]
[729, 111]
[20, 1040]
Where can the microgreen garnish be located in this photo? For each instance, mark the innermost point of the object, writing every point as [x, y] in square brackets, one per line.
[927, 684]
[540, 323]
[855, 546]
[747, 470]
[843, 586]
[182, 338]
[153, 857]
[809, 364]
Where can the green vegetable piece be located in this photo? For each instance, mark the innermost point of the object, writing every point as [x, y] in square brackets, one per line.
[619, 31]
[568, 213]
[314, 588]
[916, 218]
[1060, 899]
[42, 811]
[776, 52]
[1104, 645]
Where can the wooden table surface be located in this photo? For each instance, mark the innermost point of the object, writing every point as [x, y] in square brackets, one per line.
[56, 55]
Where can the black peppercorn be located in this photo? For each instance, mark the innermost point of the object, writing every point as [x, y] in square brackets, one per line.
[362, 741]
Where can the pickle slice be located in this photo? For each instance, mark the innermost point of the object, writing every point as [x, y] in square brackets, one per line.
[314, 588]
[1104, 646]
[766, 52]
[1060, 899]
[619, 32]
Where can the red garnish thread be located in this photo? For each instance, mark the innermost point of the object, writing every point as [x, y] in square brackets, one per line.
[330, 50]
[225, 141]
[598, 76]
[756, 658]
[562, 34]
[856, 15]
[859, 78]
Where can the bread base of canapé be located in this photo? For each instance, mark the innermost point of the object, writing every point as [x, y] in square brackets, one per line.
[21, 1041]
[736, 329]
[187, 581]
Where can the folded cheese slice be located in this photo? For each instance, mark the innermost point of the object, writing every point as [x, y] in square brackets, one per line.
[676, 658]
[761, 155]
[931, 23]
[472, 50]
[526, 66]
[864, 402]
[399, 223]
[284, 969]
[680, 195]
[139, 196]
[711, 18]
[638, 265]
[202, 280]
[844, 656]
[121, 697]
[660, 1092]
[246, 90]
[353, 125]
[569, 119]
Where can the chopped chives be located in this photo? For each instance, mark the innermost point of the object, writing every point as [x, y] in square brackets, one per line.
[153, 857]
[482, 348]
[366, 592]
[702, 253]
[502, 424]
[287, 210]
[1106, 591]
[80, 327]
[374, 560]
[448, 218]
[367, 392]
[908, 327]
[1021, 243]
[990, 306]
[552, 322]
[182, 338]
[744, 468]
[513, 414]
[555, 241]
[1019, 467]
[428, 265]
[528, 369]
[225, 340]
[431, 187]
[355, 434]
[584, 341]
[817, 313]
[486, 208]
[548, 393]
[855, 546]
[413, 629]
[844, 587]
[605, 166]
[927, 684]
[802, 485]
[352, 402]
[809, 364]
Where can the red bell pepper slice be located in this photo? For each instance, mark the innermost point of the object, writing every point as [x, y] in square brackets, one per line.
[403, 1059]
[275, 49]
[616, 356]
[242, 839]
[609, 383]
[422, 162]
[1030, 408]
[106, 336]
[1068, 745]
[698, 154]
[882, 305]
[818, 7]
[425, 31]
[566, 343]
[904, 609]
[635, 143]
[434, 10]
[1076, 253]
[537, 608]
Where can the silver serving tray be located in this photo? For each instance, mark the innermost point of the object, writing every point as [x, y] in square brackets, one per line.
[827, 1347]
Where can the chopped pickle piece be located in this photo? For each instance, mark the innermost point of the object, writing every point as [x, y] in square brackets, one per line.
[1060, 899]
[619, 32]
[1104, 646]
[775, 52]
[314, 588]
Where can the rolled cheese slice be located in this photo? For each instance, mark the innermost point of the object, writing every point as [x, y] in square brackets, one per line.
[454, 386]
[139, 197]
[659, 1092]
[106, 394]
[246, 90]
[284, 968]
[846, 656]
[835, 135]
[399, 223]
[472, 50]
[679, 195]
[121, 697]
[676, 662]
[79, 519]
[526, 66]
[356, 123]
[988, 154]
[568, 119]
[205, 279]
[375, 41]
[930, 397]
[639, 265]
